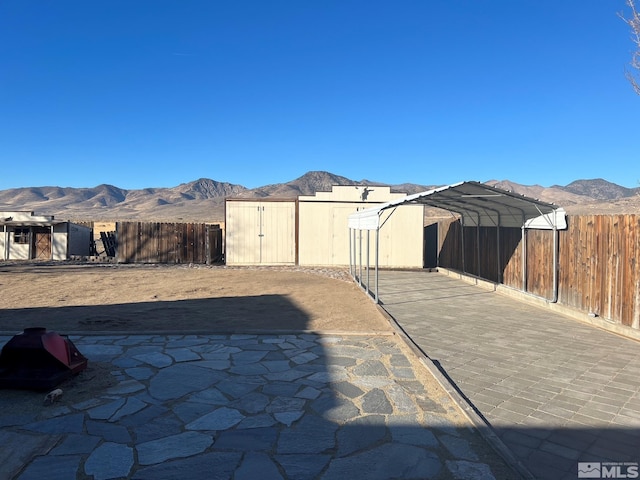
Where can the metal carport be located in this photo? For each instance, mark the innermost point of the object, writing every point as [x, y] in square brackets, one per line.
[478, 205]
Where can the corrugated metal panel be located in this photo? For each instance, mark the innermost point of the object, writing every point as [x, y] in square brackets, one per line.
[365, 219]
[479, 205]
[546, 222]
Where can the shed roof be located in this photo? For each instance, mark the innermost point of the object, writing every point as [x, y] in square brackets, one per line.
[30, 223]
[27, 219]
[478, 204]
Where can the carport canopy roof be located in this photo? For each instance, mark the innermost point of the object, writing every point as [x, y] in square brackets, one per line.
[478, 204]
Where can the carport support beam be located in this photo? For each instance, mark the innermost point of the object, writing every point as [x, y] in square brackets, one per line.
[377, 298]
[355, 255]
[524, 258]
[360, 256]
[555, 263]
[478, 244]
[351, 253]
[368, 267]
[498, 251]
[462, 240]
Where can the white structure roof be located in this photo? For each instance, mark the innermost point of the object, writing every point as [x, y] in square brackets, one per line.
[27, 219]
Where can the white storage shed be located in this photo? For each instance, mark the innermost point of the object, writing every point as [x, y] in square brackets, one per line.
[313, 230]
[26, 236]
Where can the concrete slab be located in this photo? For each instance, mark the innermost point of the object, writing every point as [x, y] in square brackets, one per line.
[527, 372]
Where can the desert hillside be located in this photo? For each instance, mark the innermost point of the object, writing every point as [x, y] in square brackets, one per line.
[203, 200]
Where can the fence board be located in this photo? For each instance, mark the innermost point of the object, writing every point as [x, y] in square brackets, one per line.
[154, 242]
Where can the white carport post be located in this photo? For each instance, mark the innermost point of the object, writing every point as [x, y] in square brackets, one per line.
[377, 298]
[360, 256]
[553, 224]
[524, 257]
[354, 244]
[499, 261]
[462, 240]
[478, 242]
[554, 227]
[356, 252]
[555, 261]
[350, 252]
[368, 256]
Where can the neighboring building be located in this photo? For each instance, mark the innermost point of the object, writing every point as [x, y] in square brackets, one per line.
[25, 236]
[313, 230]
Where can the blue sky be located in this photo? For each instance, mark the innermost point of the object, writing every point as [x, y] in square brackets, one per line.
[154, 93]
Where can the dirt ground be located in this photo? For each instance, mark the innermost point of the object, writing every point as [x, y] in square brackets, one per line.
[68, 298]
[96, 298]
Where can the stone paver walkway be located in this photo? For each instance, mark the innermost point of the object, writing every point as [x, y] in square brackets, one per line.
[556, 391]
[244, 407]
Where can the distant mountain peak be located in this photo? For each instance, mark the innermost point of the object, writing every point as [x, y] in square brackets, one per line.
[203, 199]
[599, 189]
[207, 188]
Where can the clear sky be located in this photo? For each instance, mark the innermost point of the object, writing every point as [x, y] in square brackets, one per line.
[154, 93]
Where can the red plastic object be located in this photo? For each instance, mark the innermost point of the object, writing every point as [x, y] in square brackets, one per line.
[39, 360]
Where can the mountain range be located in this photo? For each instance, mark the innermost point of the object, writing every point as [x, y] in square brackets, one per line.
[203, 200]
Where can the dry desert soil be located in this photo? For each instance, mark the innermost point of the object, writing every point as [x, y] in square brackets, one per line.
[69, 298]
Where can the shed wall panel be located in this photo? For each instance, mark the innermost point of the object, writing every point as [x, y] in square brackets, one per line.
[79, 240]
[324, 236]
[278, 233]
[17, 251]
[401, 237]
[314, 230]
[243, 233]
[59, 243]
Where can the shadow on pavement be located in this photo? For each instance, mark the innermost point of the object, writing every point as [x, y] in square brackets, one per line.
[231, 405]
[556, 393]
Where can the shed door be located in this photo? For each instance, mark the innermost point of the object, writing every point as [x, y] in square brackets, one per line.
[42, 245]
[277, 233]
[261, 233]
[243, 233]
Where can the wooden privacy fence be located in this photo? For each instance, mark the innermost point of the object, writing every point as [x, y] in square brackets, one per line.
[153, 242]
[599, 266]
[596, 259]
